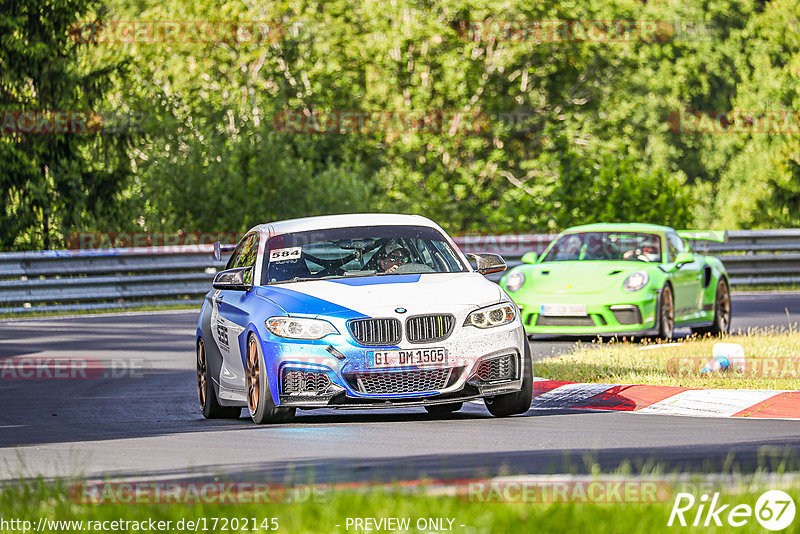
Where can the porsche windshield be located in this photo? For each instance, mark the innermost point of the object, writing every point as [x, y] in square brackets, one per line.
[606, 246]
[358, 251]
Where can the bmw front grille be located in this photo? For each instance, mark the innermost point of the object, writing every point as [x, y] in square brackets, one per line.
[376, 332]
[385, 332]
[429, 328]
[398, 382]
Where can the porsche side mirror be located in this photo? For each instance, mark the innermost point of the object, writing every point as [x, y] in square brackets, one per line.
[239, 279]
[488, 263]
[530, 257]
[683, 258]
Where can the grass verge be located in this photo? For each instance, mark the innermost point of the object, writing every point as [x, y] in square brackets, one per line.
[53, 508]
[772, 361]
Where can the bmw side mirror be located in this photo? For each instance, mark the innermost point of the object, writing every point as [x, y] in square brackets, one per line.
[530, 257]
[488, 263]
[220, 249]
[683, 258]
[239, 279]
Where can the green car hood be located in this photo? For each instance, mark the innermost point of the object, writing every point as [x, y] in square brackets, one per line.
[582, 277]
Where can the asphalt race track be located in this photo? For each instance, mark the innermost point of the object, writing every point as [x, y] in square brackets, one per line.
[137, 417]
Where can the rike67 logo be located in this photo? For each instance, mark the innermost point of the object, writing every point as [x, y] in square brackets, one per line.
[774, 510]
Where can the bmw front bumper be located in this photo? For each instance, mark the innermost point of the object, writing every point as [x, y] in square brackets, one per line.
[482, 363]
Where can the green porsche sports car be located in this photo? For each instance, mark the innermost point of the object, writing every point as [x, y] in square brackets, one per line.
[628, 279]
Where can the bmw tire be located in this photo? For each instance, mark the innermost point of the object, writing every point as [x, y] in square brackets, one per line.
[520, 401]
[260, 405]
[205, 391]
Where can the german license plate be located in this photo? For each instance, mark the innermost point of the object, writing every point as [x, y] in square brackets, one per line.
[436, 357]
[563, 310]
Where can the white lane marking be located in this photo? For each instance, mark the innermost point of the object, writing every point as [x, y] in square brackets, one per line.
[709, 402]
[569, 395]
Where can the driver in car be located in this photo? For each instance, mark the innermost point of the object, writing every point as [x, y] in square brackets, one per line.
[645, 251]
[392, 257]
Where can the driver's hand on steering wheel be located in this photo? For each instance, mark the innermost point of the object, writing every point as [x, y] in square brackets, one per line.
[389, 263]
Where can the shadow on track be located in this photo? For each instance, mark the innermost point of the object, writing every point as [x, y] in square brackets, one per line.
[739, 458]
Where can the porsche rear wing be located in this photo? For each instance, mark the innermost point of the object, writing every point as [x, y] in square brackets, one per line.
[219, 249]
[720, 236]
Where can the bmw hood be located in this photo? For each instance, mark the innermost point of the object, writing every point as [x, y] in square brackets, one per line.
[381, 295]
[581, 277]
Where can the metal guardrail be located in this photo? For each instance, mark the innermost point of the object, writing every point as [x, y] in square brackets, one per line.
[66, 280]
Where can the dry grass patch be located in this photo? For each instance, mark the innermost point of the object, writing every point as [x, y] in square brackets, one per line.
[772, 361]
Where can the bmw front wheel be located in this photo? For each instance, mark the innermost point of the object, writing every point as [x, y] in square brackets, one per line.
[259, 399]
[519, 402]
[205, 390]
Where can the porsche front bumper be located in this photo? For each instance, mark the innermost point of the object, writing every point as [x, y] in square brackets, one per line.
[636, 316]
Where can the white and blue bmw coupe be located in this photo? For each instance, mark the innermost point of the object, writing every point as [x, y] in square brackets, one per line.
[358, 311]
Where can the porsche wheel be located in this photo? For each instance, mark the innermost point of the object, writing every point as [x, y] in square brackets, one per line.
[205, 391]
[722, 312]
[666, 313]
[519, 402]
[259, 399]
[443, 409]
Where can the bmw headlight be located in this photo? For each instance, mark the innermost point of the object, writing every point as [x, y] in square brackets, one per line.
[496, 315]
[636, 281]
[515, 281]
[299, 328]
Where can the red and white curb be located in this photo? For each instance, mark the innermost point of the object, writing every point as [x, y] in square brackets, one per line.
[666, 400]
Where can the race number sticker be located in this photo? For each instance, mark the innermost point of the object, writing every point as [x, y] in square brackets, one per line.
[285, 254]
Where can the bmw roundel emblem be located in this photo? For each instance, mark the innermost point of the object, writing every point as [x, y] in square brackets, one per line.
[400, 310]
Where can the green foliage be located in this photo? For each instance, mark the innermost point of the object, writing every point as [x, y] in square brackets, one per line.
[53, 184]
[634, 496]
[760, 186]
[570, 132]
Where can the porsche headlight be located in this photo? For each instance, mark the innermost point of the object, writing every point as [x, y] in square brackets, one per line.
[636, 281]
[496, 315]
[515, 281]
[299, 328]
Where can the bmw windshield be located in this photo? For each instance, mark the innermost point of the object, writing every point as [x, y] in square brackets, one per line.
[606, 246]
[358, 251]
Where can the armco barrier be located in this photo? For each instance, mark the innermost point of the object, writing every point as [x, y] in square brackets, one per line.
[65, 280]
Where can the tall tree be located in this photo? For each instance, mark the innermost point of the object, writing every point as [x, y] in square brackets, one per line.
[60, 172]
